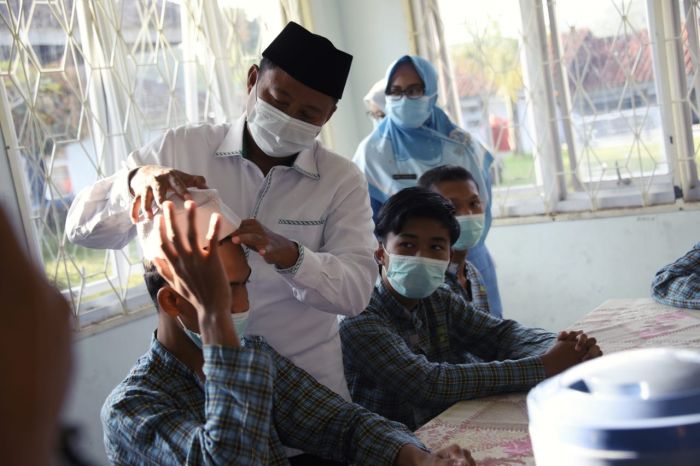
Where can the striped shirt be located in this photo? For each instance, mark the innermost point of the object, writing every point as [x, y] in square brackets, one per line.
[410, 365]
[678, 284]
[252, 402]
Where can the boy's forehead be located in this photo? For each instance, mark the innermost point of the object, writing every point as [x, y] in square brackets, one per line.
[228, 251]
[234, 261]
[422, 228]
[453, 188]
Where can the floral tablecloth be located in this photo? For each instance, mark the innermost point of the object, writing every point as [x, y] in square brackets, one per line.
[494, 429]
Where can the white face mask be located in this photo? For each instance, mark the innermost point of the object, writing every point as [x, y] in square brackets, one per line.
[240, 322]
[276, 133]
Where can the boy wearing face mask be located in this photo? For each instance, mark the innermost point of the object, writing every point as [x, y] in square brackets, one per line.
[416, 136]
[408, 356]
[200, 395]
[459, 186]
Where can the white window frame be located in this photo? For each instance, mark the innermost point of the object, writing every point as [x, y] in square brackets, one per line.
[550, 195]
[200, 20]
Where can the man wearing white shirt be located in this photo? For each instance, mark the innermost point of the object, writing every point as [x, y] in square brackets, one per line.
[309, 231]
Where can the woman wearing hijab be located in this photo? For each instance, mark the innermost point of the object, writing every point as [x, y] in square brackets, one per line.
[416, 136]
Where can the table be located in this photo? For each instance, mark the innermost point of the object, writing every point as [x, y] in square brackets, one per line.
[495, 429]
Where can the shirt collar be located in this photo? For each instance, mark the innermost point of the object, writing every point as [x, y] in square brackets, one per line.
[164, 358]
[232, 146]
[391, 304]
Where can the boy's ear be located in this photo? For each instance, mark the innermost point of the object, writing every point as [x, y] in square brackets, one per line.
[168, 301]
[379, 255]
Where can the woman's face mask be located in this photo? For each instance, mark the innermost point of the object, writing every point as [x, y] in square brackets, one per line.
[276, 133]
[471, 227]
[415, 277]
[409, 113]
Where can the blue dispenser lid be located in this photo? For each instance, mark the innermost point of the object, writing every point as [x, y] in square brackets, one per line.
[641, 400]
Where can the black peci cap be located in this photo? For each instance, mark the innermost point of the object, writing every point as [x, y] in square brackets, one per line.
[311, 59]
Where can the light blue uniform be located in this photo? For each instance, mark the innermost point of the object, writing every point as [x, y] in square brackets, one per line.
[393, 157]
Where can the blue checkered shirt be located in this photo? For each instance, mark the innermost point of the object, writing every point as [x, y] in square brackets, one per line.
[252, 402]
[678, 284]
[475, 290]
[410, 365]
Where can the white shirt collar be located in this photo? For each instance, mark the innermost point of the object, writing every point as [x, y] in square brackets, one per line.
[232, 146]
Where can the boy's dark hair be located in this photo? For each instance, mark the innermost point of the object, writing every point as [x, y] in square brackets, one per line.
[446, 173]
[154, 281]
[416, 202]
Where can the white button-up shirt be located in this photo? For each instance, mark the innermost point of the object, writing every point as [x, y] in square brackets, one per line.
[321, 202]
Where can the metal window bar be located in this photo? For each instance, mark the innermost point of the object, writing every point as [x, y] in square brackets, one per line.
[670, 73]
[563, 96]
[539, 81]
[691, 188]
[111, 113]
[16, 192]
[430, 43]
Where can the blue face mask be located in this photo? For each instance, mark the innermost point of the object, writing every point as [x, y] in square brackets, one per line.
[240, 322]
[410, 113]
[194, 336]
[471, 227]
[415, 277]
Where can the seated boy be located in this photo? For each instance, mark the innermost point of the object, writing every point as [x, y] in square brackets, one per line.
[404, 356]
[678, 284]
[200, 396]
[459, 187]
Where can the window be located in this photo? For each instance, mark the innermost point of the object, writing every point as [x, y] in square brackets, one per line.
[571, 103]
[85, 83]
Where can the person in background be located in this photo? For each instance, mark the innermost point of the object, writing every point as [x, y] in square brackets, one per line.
[35, 362]
[202, 395]
[678, 284]
[408, 356]
[416, 136]
[307, 221]
[459, 187]
[375, 102]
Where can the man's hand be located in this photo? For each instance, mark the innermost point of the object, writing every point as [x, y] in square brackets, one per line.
[151, 183]
[587, 346]
[410, 455]
[275, 249]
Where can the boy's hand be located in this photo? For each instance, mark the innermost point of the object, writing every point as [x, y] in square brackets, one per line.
[410, 455]
[196, 274]
[560, 357]
[586, 345]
